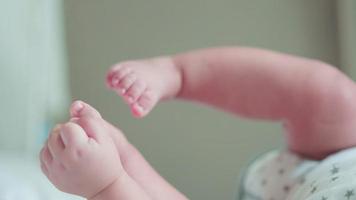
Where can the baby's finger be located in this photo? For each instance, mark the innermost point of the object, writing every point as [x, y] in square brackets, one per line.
[73, 135]
[94, 128]
[46, 156]
[44, 168]
[55, 143]
[80, 109]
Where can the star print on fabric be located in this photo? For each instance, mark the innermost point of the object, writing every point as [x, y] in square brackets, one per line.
[302, 180]
[334, 170]
[281, 171]
[286, 188]
[334, 178]
[314, 188]
[349, 194]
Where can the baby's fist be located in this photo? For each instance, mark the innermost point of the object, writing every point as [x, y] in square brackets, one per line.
[78, 164]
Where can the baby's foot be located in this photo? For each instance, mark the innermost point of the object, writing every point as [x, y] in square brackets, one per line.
[143, 83]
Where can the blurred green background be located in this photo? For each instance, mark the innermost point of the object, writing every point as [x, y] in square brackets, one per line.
[199, 150]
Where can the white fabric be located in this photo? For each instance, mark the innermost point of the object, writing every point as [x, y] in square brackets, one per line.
[281, 175]
[22, 179]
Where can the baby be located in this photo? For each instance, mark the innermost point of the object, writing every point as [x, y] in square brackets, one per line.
[316, 103]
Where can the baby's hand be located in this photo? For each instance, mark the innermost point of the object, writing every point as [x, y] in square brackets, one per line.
[80, 163]
[143, 83]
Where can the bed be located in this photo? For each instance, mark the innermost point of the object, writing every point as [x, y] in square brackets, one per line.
[21, 178]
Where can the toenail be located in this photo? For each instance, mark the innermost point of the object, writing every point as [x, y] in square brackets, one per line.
[115, 81]
[139, 108]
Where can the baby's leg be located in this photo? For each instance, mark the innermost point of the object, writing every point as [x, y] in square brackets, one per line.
[133, 162]
[315, 100]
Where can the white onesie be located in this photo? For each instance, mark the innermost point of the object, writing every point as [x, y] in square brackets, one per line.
[283, 175]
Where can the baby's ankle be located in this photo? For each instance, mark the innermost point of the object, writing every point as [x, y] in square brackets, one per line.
[173, 72]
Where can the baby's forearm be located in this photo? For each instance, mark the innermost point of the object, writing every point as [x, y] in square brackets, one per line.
[122, 189]
[140, 170]
[313, 98]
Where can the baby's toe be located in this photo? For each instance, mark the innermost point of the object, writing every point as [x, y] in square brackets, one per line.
[116, 76]
[144, 104]
[126, 83]
[135, 91]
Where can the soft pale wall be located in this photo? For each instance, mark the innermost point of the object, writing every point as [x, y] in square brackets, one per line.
[346, 11]
[199, 150]
[33, 72]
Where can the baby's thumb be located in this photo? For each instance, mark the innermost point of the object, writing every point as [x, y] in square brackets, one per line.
[80, 109]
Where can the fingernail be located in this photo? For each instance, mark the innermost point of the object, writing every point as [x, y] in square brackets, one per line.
[74, 119]
[77, 108]
[64, 138]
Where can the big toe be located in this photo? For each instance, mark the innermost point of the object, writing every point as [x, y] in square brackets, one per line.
[80, 109]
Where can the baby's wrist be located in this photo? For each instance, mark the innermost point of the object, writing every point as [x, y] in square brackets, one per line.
[124, 187]
[111, 190]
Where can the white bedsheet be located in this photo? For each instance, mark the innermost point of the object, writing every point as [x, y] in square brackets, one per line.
[21, 178]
